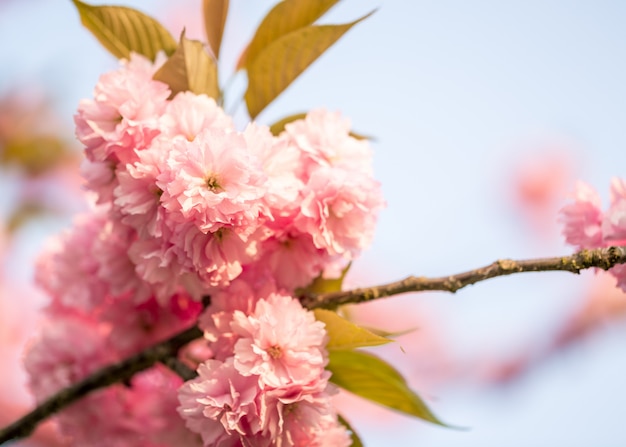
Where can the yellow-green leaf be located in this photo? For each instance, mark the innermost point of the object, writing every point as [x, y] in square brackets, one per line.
[325, 285]
[34, 154]
[280, 63]
[25, 213]
[279, 126]
[387, 334]
[190, 68]
[360, 136]
[356, 441]
[285, 17]
[124, 30]
[215, 13]
[372, 378]
[344, 334]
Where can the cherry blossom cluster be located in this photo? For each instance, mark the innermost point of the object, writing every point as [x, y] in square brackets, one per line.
[586, 225]
[185, 206]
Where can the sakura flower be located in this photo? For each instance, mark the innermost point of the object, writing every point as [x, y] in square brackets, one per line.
[325, 139]
[115, 268]
[141, 413]
[137, 196]
[137, 326]
[587, 226]
[220, 403]
[339, 210]
[305, 423]
[124, 115]
[292, 259]
[190, 207]
[281, 342]
[187, 115]
[70, 348]
[296, 417]
[218, 257]
[282, 163]
[614, 224]
[583, 219]
[157, 262]
[151, 402]
[100, 179]
[214, 182]
[72, 279]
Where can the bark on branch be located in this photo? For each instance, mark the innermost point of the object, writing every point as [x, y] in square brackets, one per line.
[166, 351]
[603, 258]
[109, 375]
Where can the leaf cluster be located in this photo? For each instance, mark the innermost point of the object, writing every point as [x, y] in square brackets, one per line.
[285, 44]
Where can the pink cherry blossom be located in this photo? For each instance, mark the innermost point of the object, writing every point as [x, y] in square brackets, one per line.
[281, 342]
[339, 210]
[220, 403]
[152, 402]
[214, 182]
[136, 326]
[325, 139]
[157, 262]
[241, 294]
[614, 223]
[293, 259]
[115, 268]
[70, 348]
[124, 115]
[295, 417]
[187, 115]
[188, 207]
[72, 279]
[587, 226]
[137, 196]
[100, 179]
[583, 219]
[282, 163]
[307, 423]
[217, 257]
[139, 414]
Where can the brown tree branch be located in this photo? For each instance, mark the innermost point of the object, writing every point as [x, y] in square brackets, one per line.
[603, 258]
[109, 375]
[165, 351]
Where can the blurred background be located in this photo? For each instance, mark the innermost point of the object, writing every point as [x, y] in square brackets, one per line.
[484, 115]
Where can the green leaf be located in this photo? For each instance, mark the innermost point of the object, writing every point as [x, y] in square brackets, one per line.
[36, 154]
[279, 126]
[190, 68]
[215, 13]
[387, 334]
[280, 63]
[346, 335]
[356, 441]
[325, 285]
[26, 212]
[124, 30]
[360, 136]
[285, 17]
[372, 378]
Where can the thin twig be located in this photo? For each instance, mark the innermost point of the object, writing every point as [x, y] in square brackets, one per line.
[604, 258]
[109, 375]
[183, 371]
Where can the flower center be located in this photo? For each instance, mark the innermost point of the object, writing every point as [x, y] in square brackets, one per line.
[275, 351]
[212, 183]
[219, 235]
